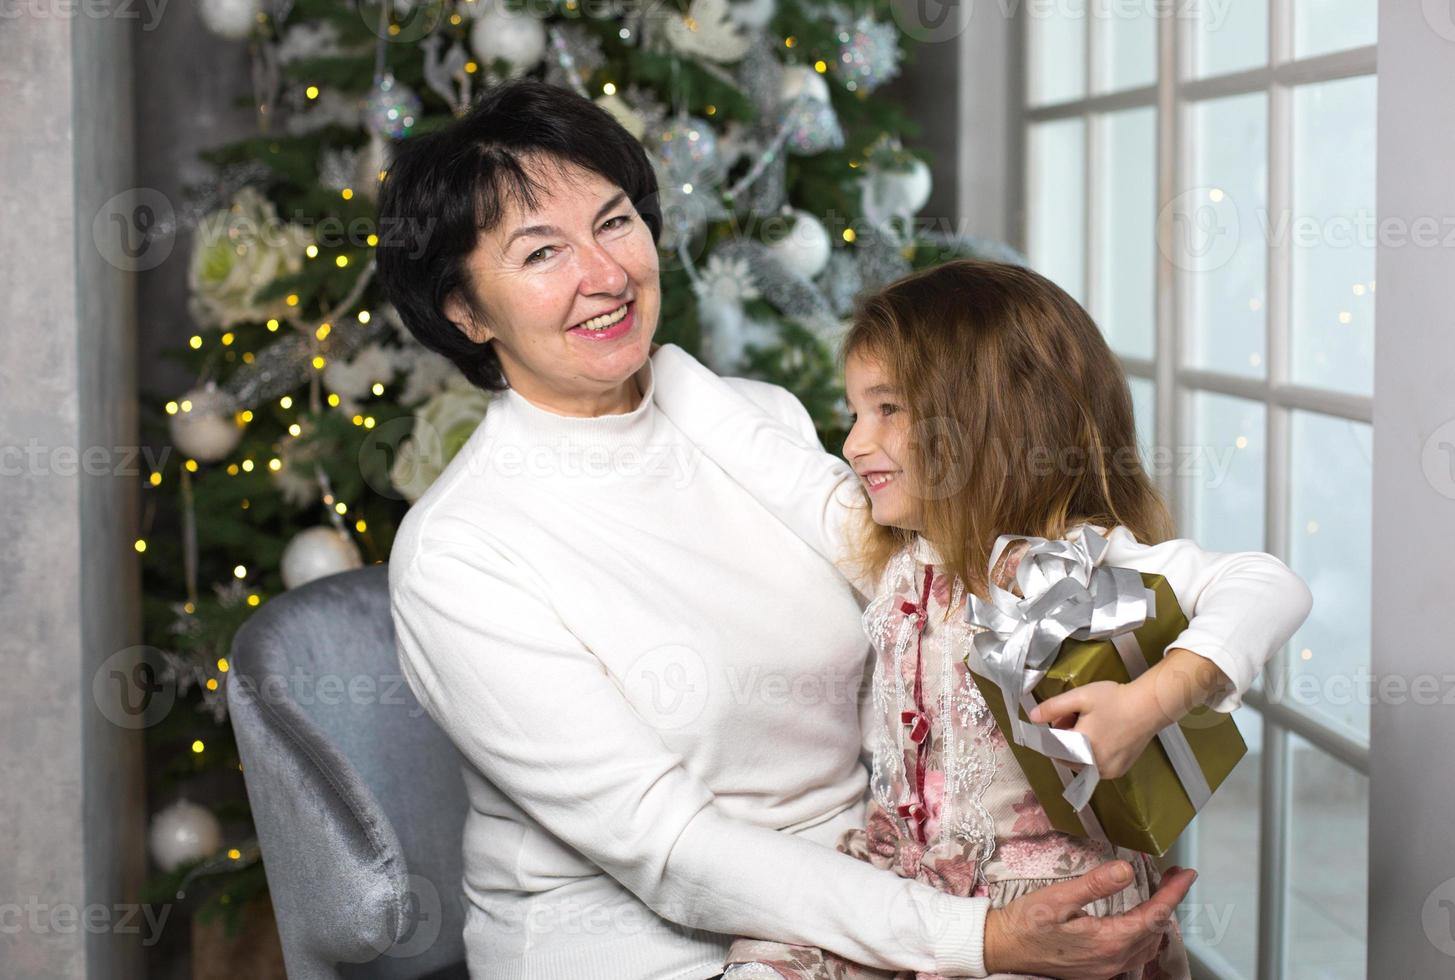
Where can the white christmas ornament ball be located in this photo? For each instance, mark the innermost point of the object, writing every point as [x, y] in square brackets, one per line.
[753, 14]
[902, 192]
[802, 80]
[804, 249]
[515, 38]
[231, 19]
[203, 426]
[317, 552]
[183, 833]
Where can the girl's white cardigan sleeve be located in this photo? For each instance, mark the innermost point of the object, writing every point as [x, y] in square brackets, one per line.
[1242, 607]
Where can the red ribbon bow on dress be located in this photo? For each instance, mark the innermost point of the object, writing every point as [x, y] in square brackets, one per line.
[917, 721]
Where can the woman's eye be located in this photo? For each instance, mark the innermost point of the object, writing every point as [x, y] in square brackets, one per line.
[532, 256]
[619, 220]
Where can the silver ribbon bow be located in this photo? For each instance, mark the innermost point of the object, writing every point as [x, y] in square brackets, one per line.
[1067, 594]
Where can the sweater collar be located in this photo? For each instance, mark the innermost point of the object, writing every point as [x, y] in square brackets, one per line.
[623, 427]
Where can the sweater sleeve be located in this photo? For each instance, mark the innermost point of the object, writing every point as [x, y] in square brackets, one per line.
[772, 455]
[1242, 607]
[538, 715]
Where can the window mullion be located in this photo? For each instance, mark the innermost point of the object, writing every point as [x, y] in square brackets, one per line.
[1274, 816]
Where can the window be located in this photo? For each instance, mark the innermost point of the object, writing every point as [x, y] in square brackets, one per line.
[1201, 176]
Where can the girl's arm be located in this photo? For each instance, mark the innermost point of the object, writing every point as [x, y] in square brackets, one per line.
[774, 456]
[1242, 608]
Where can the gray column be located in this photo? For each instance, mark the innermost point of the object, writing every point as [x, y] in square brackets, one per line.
[1412, 727]
[71, 794]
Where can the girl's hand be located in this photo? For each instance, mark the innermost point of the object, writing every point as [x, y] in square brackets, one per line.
[1117, 719]
[1120, 719]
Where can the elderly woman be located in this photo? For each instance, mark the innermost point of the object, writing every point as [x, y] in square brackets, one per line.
[654, 684]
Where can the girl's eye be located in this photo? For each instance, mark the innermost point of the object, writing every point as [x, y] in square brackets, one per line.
[888, 408]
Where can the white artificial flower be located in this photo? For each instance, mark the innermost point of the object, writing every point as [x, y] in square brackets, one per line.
[427, 375]
[442, 426]
[309, 39]
[237, 251]
[726, 280]
[352, 379]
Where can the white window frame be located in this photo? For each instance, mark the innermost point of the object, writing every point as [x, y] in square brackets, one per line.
[1174, 95]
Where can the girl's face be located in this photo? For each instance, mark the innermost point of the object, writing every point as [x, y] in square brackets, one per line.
[878, 444]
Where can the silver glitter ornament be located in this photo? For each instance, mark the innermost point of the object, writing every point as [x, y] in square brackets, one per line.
[868, 54]
[813, 126]
[687, 147]
[391, 109]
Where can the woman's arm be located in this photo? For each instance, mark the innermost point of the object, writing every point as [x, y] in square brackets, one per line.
[537, 714]
[815, 493]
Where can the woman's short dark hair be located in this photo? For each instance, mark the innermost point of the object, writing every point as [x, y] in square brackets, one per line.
[445, 187]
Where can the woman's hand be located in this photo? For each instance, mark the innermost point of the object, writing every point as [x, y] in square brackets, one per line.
[1121, 719]
[1047, 933]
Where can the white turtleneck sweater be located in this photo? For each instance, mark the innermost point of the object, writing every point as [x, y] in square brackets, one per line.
[654, 685]
[653, 677]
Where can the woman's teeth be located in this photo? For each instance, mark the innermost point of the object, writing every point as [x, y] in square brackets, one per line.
[877, 480]
[605, 320]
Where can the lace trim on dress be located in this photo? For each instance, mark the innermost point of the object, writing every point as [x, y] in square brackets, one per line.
[967, 748]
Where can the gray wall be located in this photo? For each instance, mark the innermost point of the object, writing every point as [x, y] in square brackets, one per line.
[71, 796]
[961, 90]
[1412, 780]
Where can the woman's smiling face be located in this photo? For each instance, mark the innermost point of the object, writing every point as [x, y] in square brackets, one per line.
[568, 293]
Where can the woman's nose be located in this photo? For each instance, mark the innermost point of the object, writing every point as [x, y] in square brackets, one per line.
[601, 272]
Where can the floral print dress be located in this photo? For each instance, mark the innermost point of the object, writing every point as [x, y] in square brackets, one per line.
[951, 807]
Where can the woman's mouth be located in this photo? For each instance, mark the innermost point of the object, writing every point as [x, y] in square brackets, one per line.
[610, 325]
[878, 480]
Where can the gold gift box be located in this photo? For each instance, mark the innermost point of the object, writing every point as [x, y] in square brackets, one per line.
[1146, 808]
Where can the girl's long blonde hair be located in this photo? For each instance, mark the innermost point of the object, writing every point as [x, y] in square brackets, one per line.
[1020, 416]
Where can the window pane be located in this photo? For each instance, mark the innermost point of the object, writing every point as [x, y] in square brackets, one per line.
[1214, 233]
[1328, 876]
[1230, 36]
[1126, 41]
[1220, 915]
[1057, 38]
[1144, 412]
[1126, 245]
[1321, 26]
[1056, 208]
[1332, 235]
[1222, 473]
[1329, 545]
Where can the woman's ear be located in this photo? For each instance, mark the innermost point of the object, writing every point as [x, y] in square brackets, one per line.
[458, 312]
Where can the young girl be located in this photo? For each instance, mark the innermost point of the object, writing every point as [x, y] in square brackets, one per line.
[986, 402]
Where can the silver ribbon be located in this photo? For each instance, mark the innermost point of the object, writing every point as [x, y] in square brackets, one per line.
[1067, 594]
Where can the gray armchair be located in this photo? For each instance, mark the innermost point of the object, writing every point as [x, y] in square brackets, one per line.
[356, 794]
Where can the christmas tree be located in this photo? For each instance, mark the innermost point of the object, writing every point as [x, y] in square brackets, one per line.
[316, 418]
